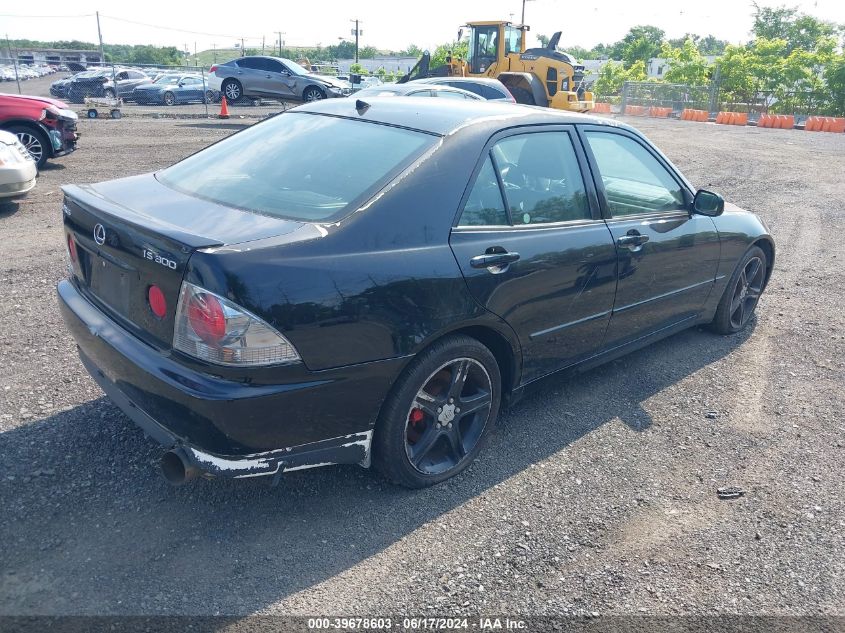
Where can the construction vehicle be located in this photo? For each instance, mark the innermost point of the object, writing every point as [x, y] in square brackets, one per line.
[535, 76]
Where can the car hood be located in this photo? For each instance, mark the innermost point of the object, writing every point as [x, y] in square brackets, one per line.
[331, 81]
[7, 98]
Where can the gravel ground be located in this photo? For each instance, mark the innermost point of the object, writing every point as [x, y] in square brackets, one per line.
[595, 495]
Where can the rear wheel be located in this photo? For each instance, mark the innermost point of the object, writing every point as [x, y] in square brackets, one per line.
[209, 96]
[109, 93]
[233, 90]
[441, 411]
[35, 142]
[169, 98]
[312, 93]
[737, 304]
[522, 96]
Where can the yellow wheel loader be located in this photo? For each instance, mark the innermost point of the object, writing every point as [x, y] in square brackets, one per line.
[535, 76]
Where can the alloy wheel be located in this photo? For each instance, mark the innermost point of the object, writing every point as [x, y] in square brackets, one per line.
[448, 416]
[747, 291]
[32, 144]
[313, 94]
[233, 91]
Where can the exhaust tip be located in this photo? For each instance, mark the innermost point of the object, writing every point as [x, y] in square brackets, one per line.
[176, 468]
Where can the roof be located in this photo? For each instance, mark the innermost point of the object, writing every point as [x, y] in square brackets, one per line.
[443, 116]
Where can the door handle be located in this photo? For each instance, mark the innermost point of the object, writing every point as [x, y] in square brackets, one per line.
[632, 240]
[489, 260]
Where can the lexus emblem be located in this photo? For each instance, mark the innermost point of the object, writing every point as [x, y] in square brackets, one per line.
[99, 234]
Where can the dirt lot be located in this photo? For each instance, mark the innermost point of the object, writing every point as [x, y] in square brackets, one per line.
[596, 495]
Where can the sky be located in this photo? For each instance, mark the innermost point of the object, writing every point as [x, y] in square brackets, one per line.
[387, 25]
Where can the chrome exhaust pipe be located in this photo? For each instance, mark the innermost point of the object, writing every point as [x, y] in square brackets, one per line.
[177, 468]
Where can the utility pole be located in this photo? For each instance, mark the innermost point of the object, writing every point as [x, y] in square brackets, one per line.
[523, 10]
[280, 33]
[100, 35]
[357, 32]
[196, 59]
[214, 48]
[262, 44]
[14, 63]
[243, 52]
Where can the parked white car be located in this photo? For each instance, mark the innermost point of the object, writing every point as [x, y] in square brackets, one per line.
[17, 169]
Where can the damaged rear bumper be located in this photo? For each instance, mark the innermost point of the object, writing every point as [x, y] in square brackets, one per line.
[347, 449]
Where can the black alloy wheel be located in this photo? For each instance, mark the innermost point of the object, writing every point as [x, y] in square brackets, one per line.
[742, 294]
[441, 411]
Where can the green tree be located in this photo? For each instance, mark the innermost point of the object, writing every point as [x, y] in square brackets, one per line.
[457, 50]
[412, 51]
[641, 43]
[686, 64]
[613, 75]
[799, 30]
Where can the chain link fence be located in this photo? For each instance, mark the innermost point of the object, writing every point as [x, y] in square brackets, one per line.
[713, 99]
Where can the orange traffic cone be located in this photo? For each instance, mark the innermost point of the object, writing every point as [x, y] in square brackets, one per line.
[224, 108]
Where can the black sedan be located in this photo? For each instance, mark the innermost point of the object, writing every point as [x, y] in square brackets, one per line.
[368, 282]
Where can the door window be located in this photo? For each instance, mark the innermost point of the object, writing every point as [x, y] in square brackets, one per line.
[484, 207]
[420, 93]
[275, 67]
[634, 180]
[253, 63]
[542, 179]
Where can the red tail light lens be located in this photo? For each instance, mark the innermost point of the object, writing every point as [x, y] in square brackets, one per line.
[158, 304]
[71, 248]
[214, 329]
[213, 68]
[205, 315]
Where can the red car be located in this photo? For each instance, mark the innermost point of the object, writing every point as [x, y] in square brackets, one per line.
[46, 127]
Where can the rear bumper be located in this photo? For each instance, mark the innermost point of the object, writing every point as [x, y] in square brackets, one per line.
[226, 427]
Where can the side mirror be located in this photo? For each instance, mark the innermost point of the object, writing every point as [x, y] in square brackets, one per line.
[708, 203]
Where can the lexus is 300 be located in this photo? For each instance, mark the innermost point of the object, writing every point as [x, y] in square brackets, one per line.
[368, 282]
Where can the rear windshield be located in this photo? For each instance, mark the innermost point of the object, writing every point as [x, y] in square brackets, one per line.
[300, 166]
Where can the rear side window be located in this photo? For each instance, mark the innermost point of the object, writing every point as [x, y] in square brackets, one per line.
[542, 178]
[253, 63]
[466, 85]
[301, 166]
[484, 207]
[489, 92]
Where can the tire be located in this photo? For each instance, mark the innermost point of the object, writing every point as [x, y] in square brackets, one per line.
[209, 96]
[422, 437]
[522, 96]
[35, 141]
[169, 98]
[736, 307]
[233, 90]
[313, 93]
[92, 113]
[108, 93]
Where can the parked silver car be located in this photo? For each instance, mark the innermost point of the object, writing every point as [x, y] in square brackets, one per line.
[274, 77]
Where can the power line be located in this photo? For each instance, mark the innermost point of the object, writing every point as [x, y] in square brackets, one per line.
[16, 15]
[169, 28]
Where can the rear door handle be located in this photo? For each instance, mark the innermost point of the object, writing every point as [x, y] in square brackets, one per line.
[489, 260]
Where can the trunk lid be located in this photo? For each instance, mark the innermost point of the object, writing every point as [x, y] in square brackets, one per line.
[123, 250]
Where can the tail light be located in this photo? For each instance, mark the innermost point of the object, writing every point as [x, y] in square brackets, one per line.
[71, 248]
[213, 68]
[216, 330]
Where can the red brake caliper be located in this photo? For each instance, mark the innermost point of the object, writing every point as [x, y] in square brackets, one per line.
[415, 426]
